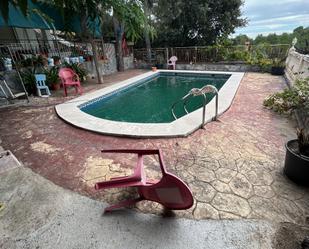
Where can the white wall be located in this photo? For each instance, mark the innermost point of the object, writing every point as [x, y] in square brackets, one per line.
[297, 66]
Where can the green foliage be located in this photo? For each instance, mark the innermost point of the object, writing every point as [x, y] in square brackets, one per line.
[236, 55]
[266, 56]
[29, 67]
[241, 40]
[284, 38]
[130, 15]
[28, 77]
[52, 76]
[196, 22]
[301, 33]
[296, 97]
[34, 61]
[77, 68]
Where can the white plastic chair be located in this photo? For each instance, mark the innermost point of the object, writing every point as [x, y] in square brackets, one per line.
[172, 62]
[40, 85]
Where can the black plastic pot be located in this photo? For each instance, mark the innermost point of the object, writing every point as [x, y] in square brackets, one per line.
[277, 70]
[296, 166]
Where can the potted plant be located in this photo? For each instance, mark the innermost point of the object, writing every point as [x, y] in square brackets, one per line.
[57, 60]
[88, 58]
[28, 77]
[278, 66]
[52, 78]
[296, 98]
[296, 165]
[79, 69]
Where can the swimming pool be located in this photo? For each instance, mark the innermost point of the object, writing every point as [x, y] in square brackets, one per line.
[141, 106]
[150, 100]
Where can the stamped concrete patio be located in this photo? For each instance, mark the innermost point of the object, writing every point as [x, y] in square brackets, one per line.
[233, 166]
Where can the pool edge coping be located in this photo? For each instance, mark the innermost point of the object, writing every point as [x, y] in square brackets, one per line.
[70, 112]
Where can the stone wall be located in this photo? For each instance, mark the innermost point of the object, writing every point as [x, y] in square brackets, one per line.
[109, 65]
[229, 67]
[128, 62]
[297, 66]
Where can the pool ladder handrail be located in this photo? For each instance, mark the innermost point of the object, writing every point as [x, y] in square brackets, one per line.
[198, 92]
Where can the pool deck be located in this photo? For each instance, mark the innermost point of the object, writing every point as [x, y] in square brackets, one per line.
[233, 166]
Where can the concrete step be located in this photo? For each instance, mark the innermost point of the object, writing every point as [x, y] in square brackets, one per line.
[7, 161]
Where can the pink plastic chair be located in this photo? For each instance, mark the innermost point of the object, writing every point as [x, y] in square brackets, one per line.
[172, 62]
[169, 191]
[69, 78]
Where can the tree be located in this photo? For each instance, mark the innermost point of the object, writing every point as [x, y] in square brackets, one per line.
[128, 19]
[148, 29]
[196, 22]
[302, 35]
[241, 40]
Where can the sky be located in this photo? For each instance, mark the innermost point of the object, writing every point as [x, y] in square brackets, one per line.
[273, 16]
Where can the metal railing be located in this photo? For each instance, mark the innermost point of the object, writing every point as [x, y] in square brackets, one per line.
[210, 53]
[198, 92]
[23, 50]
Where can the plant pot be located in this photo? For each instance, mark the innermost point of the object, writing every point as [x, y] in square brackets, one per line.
[277, 70]
[57, 62]
[296, 166]
[89, 58]
[55, 86]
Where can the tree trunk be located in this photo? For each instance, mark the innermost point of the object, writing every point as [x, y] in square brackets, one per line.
[148, 44]
[118, 31]
[96, 62]
[86, 33]
[146, 32]
[103, 51]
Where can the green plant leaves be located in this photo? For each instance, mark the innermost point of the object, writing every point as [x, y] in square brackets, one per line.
[296, 97]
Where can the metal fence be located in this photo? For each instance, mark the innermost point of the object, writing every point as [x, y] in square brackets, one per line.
[210, 53]
[58, 49]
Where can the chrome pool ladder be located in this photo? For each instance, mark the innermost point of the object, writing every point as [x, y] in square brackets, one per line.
[198, 92]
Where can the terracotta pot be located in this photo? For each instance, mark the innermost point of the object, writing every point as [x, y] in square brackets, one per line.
[55, 86]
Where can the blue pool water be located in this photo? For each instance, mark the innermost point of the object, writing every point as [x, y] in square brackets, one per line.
[150, 100]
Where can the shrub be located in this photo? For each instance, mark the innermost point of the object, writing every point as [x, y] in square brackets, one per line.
[296, 97]
[77, 68]
[52, 75]
[29, 80]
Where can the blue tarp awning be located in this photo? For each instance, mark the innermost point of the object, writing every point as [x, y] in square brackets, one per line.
[36, 21]
[18, 20]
